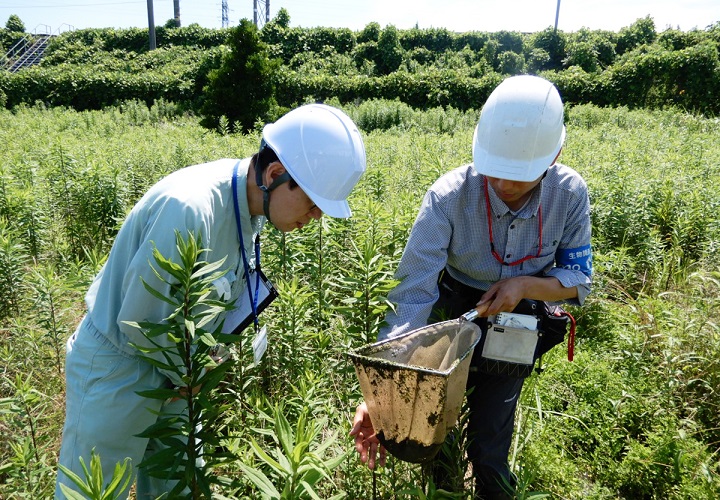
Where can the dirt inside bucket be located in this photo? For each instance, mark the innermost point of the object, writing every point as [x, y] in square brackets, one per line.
[409, 450]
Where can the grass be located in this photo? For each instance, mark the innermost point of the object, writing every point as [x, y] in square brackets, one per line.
[634, 416]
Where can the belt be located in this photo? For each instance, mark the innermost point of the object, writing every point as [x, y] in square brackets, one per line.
[451, 284]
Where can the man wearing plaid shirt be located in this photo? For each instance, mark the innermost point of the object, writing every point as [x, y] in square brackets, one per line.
[513, 225]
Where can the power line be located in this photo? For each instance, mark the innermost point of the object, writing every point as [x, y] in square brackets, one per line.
[66, 5]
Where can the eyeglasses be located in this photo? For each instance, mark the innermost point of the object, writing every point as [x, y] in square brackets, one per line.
[490, 230]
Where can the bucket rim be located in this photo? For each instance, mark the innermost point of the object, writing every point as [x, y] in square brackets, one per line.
[358, 357]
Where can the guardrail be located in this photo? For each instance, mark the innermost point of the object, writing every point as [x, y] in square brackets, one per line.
[30, 48]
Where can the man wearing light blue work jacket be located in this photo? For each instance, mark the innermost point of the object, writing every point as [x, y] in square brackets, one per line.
[308, 163]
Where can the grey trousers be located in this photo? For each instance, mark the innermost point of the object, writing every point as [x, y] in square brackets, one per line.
[492, 405]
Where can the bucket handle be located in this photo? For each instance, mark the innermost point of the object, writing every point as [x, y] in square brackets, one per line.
[470, 315]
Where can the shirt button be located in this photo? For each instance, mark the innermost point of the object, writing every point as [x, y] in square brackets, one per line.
[512, 226]
[508, 256]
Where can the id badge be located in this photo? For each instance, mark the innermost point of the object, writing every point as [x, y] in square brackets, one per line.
[242, 315]
[259, 344]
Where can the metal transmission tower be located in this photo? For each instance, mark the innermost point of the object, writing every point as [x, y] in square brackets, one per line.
[224, 14]
[259, 10]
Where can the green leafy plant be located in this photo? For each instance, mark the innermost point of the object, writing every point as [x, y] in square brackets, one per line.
[49, 288]
[367, 288]
[242, 88]
[93, 486]
[189, 436]
[27, 467]
[296, 465]
[12, 262]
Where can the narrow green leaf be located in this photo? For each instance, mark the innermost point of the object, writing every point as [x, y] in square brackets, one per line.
[72, 494]
[267, 458]
[284, 433]
[161, 394]
[123, 472]
[157, 294]
[76, 479]
[159, 364]
[190, 327]
[260, 480]
[209, 269]
[299, 451]
[310, 490]
[285, 463]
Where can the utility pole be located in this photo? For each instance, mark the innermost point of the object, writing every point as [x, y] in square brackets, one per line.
[557, 14]
[151, 24]
[258, 12]
[224, 14]
[176, 9]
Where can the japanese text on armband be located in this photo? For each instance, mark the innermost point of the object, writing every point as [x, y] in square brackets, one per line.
[576, 259]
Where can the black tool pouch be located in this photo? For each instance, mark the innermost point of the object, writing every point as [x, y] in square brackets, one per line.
[554, 322]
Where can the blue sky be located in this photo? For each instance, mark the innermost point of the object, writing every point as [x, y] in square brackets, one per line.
[50, 16]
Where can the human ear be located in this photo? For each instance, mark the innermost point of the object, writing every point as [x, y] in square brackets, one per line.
[272, 172]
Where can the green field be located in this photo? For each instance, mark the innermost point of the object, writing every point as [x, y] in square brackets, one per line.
[636, 415]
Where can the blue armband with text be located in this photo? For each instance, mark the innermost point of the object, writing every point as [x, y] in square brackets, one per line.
[575, 259]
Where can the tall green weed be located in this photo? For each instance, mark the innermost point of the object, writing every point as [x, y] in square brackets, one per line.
[635, 415]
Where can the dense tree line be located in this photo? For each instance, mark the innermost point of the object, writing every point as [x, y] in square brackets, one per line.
[194, 66]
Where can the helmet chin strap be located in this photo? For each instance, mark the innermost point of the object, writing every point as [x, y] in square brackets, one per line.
[281, 179]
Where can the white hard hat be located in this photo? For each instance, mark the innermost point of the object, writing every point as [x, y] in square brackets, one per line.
[322, 149]
[520, 131]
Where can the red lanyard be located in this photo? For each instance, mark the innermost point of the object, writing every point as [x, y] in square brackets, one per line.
[490, 230]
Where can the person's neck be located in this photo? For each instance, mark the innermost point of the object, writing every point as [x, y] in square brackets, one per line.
[516, 206]
[254, 193]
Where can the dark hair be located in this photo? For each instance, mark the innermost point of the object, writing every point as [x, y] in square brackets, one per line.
[265, 157]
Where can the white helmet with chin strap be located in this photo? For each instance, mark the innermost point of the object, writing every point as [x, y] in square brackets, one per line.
[323, 152]
[520, 131]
